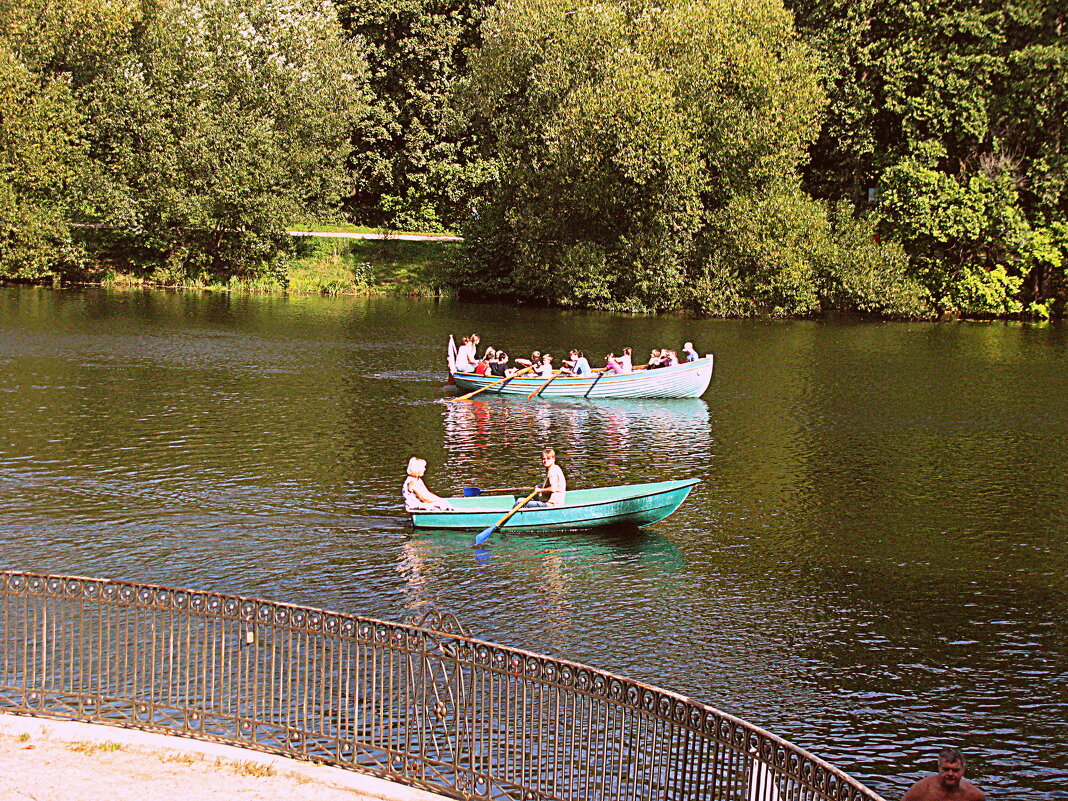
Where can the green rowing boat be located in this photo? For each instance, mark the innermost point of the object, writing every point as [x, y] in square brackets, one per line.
[629, 505]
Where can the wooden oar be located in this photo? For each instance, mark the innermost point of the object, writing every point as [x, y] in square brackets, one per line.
[487, 532]
[543, 386]
[495, 383]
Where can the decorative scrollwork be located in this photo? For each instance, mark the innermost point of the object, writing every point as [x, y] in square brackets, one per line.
[441, 622]
[455, 711]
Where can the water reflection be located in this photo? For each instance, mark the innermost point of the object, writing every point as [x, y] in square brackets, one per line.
[874, 562]
[619, 441]
[554, 570]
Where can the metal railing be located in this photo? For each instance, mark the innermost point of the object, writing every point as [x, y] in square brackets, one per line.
[426, 705]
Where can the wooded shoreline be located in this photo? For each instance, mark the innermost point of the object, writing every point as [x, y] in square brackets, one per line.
[714, 157]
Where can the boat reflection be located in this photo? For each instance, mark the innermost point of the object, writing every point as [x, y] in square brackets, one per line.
[556, 569]
[608, 543]
[606, 431]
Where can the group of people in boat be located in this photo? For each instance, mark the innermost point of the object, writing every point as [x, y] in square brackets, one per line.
[498, 364]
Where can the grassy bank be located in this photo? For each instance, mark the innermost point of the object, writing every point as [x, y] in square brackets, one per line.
[377, 266]
[326, 265]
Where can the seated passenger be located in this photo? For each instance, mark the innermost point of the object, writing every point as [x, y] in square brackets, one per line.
[669, 359]
[482, 368]
[499, 366]
[577, 364]
[626, 362]
[465, 356]
[691, 354]
[416, 496]
[612, 365]
[545, 370]
[654, 359]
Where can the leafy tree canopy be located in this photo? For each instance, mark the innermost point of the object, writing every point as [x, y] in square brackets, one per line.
[619, 132]
[220, 122]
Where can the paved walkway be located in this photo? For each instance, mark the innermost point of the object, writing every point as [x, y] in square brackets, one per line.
[405, 237]
[47, 760]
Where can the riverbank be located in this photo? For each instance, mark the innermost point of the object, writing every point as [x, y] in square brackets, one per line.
[331, 260]
[49, 760]
[360, 263]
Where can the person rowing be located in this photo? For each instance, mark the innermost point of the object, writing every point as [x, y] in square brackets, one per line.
[577, 364]
[545, 369]
[535, 360]
[555, 483]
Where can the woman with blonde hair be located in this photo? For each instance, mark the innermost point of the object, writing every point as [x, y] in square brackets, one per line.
[416, 496]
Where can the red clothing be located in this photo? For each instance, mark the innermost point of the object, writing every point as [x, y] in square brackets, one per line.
[482, 368]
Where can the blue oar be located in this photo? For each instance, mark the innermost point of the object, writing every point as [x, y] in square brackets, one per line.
[487, 532]
[474, 492]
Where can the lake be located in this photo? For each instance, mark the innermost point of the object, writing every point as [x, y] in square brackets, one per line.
[874, 565]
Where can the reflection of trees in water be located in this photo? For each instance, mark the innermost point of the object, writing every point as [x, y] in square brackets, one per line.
[612, 434]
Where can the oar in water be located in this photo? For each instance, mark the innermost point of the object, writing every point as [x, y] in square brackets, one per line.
[543, 386]
[474, 492]
[495, 383]
[487, 532]
[601, 371]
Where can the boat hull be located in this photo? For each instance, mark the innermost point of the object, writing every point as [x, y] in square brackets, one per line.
[686, 380]
[633, 505]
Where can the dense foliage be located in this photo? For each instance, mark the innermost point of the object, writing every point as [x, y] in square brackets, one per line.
[193, 133]
[956, 115]
[408, 160]
[647, 157]
[728, 157]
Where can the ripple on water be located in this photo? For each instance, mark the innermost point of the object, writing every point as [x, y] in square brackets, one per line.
[872, 566]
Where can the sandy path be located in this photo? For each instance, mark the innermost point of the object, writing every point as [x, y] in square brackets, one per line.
[45, 760]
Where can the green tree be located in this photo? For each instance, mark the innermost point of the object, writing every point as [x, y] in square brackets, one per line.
[409, 155]
[217, 124]
[973, 92]
[43, 153]
[967, 235]
[40, 155]
[620, 134]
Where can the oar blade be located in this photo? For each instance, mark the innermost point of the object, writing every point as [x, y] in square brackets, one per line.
[488, 532]
[485, 534]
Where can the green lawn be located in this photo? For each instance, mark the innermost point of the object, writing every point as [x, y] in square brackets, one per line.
[361, 266]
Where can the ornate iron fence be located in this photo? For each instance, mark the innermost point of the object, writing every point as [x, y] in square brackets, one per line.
[426, 705]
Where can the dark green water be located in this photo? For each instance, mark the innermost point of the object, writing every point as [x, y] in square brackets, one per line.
[875, 563]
